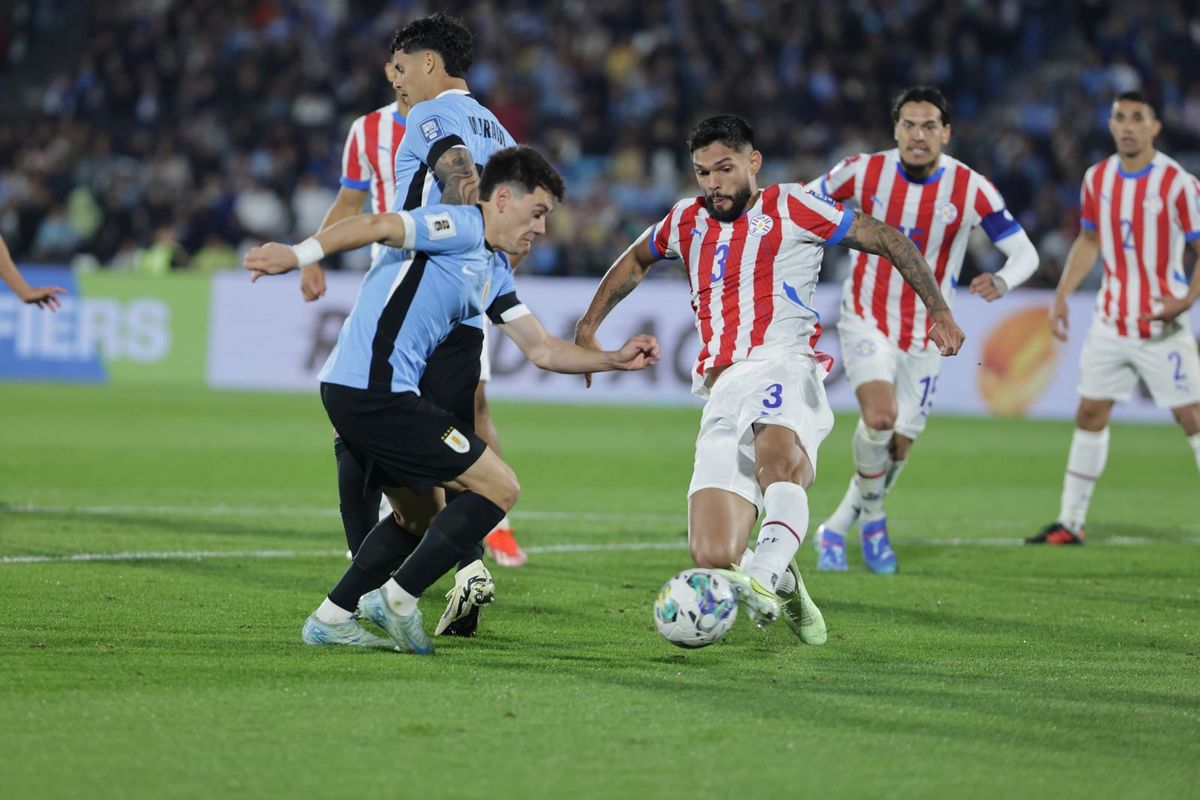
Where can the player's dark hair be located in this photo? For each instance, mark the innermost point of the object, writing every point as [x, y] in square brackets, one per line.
[922, 94]
[523, 167]
[727, 129]
[445, 35]
[1134, 96]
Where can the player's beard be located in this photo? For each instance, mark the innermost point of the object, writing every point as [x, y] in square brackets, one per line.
[737, 205]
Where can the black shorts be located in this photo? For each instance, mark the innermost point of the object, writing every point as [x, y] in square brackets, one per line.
[400, 439]
[452, 373]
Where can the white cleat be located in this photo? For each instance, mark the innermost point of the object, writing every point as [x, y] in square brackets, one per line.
[473, 589]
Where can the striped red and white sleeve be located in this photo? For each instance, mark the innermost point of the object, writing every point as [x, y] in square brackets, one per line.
[816, 218]
[1088, 212]
[1186, 206]
[664, 236]
[994, 216]
[841, 182]
[356, 168]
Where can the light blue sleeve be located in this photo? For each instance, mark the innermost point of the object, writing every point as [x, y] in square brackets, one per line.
[446, 229]
[432, 129]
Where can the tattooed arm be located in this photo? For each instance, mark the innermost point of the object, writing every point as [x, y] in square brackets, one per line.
[456, 173]
[872, 236]
[621, 279]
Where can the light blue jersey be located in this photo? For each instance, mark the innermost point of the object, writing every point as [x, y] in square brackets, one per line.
[451, 119]
[410, 300]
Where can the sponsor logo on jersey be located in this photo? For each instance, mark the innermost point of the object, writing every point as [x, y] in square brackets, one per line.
[431, 129]
[823, 197]
[761, 225]
[946, 212]
[441, 226]
[456, 441]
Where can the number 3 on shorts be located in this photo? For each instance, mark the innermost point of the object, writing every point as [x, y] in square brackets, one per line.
[774, 396]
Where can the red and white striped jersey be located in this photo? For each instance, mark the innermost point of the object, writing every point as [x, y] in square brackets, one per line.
[752, 279]
[368, 160]
[1142, 220]
[936, 213]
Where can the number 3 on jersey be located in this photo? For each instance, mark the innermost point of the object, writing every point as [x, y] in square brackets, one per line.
[719, 258]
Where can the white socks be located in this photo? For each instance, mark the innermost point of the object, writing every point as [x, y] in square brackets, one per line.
[785, 523]
[846, 514]
[397, 599]
[1089, 452]
[331, 613]
[871, 459]
[1194, 441]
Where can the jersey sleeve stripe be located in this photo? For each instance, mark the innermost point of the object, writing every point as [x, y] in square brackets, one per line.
[840, 232]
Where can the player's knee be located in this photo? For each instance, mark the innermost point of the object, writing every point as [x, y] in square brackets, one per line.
[713, 555]
[880, 418]
[1091, 417]
[507, 489]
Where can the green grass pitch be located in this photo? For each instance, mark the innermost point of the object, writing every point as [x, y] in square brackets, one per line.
[981, 670]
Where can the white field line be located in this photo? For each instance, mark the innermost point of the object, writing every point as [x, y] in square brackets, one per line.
[201, 555]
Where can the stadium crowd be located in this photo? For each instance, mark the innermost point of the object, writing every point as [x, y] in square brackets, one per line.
[157, 134]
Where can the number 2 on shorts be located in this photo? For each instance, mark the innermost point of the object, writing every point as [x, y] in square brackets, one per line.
[774, 396]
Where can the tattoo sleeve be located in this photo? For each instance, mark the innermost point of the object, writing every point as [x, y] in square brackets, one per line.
[872, 236]
[456, 172]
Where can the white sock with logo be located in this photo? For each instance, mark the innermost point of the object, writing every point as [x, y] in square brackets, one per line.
[1085, 464]
[1194, 441]
[846, 514]
[400, 601]
[785, 522]
[331, 613]
[871, 460]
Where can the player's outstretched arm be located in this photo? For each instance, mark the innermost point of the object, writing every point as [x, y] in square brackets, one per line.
[1022, 262]
[872, 236]
[274, 258]
[1173, 306]
[456, 172]
[621, 279]
[40, 296]
[347, 203]
[1080, 260]
[558, 355]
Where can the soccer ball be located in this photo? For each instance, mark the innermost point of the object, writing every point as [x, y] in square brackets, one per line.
[695, 608]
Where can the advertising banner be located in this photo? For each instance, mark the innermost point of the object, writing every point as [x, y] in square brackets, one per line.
[111, 327]
[264, 337]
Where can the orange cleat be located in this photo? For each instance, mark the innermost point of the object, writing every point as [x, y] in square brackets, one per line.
[1057, 534]
[502, 546]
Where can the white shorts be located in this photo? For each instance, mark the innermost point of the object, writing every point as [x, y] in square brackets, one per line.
[485, 360]
[1111, 365]
[868, 356]
[790, 393]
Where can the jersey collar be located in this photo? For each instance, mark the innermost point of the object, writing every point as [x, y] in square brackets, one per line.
[453, 91]
[930, 178]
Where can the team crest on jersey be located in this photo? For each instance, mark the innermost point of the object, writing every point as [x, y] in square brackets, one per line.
[440, 226]
[456, 441]
[865, 348]
[431, 129]
[1153, 205]
[946, 212]
[761, 225]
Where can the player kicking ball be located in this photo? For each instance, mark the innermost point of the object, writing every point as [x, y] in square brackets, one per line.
[752, 257]
[890, 361]
[370, 383]
[1138, 207]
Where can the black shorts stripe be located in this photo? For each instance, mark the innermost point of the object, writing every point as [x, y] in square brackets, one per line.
[440, 147]
[416, 188]
[388, 327]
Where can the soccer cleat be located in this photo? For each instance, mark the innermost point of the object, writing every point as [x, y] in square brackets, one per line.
[1057, 533]
[348, 633]
[406, 632]
[831, 550]
[473, 589]
[760, 603]
[877, 550]
[801, 613]
[502, 546]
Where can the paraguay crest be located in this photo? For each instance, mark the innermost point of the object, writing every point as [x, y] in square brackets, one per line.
[946, 211]
[455, 440]
[761, 225]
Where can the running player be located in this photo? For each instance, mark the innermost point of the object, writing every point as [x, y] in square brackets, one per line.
[1138, 207]
[893, 368]
[40, 296]
[752, 257]
[408, 303]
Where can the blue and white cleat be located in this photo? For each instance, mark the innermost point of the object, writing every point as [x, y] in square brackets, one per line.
[831, 550]
[407, 632]
[347, 633]
[877, 550]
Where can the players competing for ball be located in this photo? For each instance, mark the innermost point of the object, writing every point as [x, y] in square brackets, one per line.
[1138, 208]
[407, 304]
[890, 360]
[752, 256]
